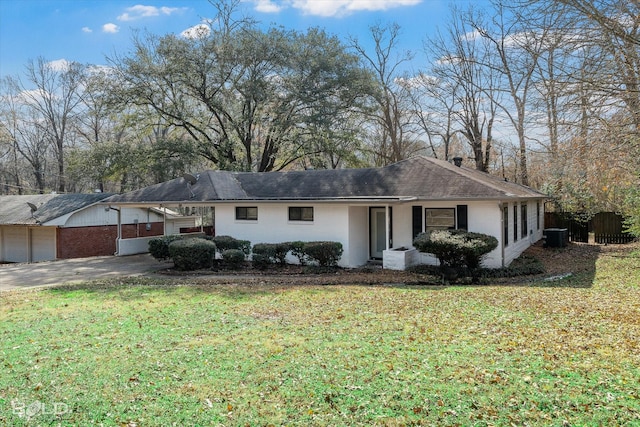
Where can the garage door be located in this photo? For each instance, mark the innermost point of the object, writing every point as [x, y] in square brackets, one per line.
[14, 244]
[43, 244]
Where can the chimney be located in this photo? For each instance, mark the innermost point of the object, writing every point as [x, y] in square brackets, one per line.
[457, 161]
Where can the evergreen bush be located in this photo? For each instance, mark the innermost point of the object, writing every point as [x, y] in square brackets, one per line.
[192, 254]
[224, 243]
[326, 254]
[159, 246]
[456, 249]
[297, 250]
[234, 258]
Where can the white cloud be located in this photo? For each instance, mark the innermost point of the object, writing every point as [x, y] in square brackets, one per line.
[110, 28]
[196, 32]
[87, 30]
[267, 6]
[59, 65]
[329, 8]
[471, 36]
[140, 11]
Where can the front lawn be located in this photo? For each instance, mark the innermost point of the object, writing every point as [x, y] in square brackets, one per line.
[185, 351]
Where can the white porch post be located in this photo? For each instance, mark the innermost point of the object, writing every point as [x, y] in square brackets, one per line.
[119, 236]
[164, 220]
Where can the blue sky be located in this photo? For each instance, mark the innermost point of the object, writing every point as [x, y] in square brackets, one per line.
[88, 30]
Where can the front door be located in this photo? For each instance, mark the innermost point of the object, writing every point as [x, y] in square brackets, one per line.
[377, 231]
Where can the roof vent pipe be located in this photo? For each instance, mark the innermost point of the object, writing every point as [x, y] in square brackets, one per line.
[457, 161]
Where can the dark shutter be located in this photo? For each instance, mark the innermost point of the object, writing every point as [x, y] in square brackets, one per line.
[463, 224]
[417, 220]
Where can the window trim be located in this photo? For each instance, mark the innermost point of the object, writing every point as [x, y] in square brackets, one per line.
[302, 216]
[246, 215]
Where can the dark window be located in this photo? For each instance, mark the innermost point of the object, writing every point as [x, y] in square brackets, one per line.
[505, 224]
[515, 222]
[524, 220]
[463, 222]
[416, 223]
[247, 213]
[440, 219]
[300, 214]
[538, 215]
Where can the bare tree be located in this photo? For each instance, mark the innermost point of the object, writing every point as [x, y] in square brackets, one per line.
[57, 93]
[391, 138]
[468, 85]
[27, 133]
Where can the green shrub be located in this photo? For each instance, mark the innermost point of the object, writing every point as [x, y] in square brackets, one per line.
[281, 251]
[270, 253]
[159, 246]
[227, 242]
[297, 250]
[234, 258]
[263, 254]
[261, 261]
[192, 253]
[326, 254]
[456, 249]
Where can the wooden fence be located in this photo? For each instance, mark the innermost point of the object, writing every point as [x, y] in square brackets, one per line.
[607, 227]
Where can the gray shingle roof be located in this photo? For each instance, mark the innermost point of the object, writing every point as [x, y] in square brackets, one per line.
[420, 177]
[15, 210]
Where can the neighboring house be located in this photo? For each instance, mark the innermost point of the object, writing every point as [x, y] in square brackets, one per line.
[54, 226]
[370, 211]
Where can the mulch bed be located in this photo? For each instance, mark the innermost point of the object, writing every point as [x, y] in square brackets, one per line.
[575, 258]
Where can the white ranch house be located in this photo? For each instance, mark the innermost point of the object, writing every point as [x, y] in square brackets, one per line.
[371, 211]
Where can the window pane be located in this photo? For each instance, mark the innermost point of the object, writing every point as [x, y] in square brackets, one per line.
[505, 222]
[300, 214]
[247, 213]
[439, 219]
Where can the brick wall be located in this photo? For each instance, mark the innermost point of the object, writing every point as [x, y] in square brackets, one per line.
[80, 242]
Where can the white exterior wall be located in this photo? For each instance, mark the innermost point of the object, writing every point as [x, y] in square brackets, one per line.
[97, 215]
[482, 217]
[330, 223]
[358, 235]
[515, 248]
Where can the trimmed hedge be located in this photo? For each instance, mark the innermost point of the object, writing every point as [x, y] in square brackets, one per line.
[263, 254]
[192, 254]
[159, 246]
[456, 249]
[297, 250]
[224, 243]
[326, 254]
[234, 258]
[270, 253]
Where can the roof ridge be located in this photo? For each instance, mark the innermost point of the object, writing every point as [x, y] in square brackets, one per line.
[472, 175]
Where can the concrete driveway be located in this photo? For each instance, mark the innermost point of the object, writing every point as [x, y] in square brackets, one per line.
[16, 276]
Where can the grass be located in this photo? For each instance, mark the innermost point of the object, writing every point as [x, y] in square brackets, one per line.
[147, 352]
